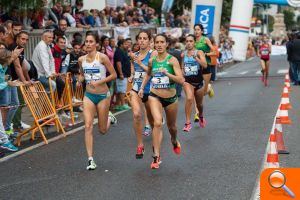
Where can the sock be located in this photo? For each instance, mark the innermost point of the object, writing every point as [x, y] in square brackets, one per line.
[91, 158]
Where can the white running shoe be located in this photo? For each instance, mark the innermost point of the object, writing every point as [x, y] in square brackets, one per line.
[113, 119]
[74, 100]
[25, 126]
[92, 165]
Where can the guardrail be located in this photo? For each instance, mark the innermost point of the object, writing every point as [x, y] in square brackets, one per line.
[35, 35]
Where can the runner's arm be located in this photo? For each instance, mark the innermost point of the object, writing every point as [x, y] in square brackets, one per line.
[110, 69]
[148, 75]
[212, 51]
[201, 59]
[178, 77]
[81, 76]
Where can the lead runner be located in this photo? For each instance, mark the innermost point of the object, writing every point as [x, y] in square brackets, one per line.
[165, 72]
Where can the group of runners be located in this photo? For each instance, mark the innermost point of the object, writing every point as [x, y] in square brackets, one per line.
[154, 75]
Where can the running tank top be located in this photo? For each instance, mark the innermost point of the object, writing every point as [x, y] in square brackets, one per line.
[139, 74]
[93, 71]
[201, 45]
[192, 69]
[264, 52]
[160, 80]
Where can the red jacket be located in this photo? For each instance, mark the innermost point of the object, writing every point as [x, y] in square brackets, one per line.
[59, 56]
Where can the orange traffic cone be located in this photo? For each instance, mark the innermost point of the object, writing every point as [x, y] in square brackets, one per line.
[279, 138]
[287, 82]
[283, 114]
[272, 156]
[285, 100]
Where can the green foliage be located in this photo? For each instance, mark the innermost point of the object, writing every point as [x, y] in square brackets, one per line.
[289, 19]
[271, 23]
[226, 12]
[156, 4]
[8, 4]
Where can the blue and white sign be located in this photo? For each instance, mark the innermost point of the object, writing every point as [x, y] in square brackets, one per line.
[205, 15]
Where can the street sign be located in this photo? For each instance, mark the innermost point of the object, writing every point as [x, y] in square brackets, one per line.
[205, 15]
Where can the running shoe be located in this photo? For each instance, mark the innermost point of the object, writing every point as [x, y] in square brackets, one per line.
[139, 152]
[202, 122]
[187, 127]
[196, 117]
[262, 78]
[211, 92]
[156, 162]
[113, 119]
[9, 146]
[176, 147]
[2, 154]
[118, 108]
[147, 131]
[266, 82]
[25, 126]
[11, 134]
[92, 165]
[125, 107]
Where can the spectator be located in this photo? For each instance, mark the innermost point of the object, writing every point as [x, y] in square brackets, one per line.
[177, 54]
[214, 59]
[10, 38]
[13, 15]
[8, 25]
[294, 56]
[69, 18]
[27, 16]
[19, 71]
[57, 9]
[38, 19]
[59, 54]
[122, 67]
[50, 20]
[78, 6]
[3, 33]
[109, 51]
[80, 21]
[6, 57]
[43, 60]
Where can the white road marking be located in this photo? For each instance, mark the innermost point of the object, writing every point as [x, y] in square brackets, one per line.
[18, 153]
[282, 71]
[221, 73]
[243, 73]
[258, 72]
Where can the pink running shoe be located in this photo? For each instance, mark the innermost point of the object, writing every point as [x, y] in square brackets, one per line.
[187, 127]
[202, 122]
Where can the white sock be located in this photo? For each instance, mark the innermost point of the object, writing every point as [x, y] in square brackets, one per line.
[91, 158]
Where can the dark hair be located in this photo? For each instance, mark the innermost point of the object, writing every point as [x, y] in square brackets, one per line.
[94, 35]
[127, 39]
[191, 35]
[144, 31]
[74, 43]
[120, 42]
[22, 32]
[16, 23]
[2, 29]
[162, 35]
[2, 43]
[104, 37]
[59, 37]
[200, 26]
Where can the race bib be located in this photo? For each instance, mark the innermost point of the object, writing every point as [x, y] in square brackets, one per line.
[160, 82]
[138, 76]
[265, 52]
[191, 70]
[92, 75]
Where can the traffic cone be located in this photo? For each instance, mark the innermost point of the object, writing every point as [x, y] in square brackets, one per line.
[285, 100]
[287, 82]
[283, 114]
[279, 138]
[272, 156]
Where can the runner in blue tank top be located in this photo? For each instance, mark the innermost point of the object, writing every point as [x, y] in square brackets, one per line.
[194, 63]
[139, 68]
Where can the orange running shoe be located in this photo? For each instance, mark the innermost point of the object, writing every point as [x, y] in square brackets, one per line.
[177, 148]
[156, 162]
[140, 152]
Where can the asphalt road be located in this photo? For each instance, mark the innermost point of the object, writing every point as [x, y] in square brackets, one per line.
[221, 161]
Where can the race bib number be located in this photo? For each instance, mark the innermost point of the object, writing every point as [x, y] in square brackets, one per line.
[264, 52]
[138, 76]
[92, 75]
[191, 70]
[160, 82]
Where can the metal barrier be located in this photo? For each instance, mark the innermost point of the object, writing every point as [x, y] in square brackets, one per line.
[35, 35]
[41, 109]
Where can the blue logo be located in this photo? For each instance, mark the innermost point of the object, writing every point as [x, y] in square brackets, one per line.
[205, 15]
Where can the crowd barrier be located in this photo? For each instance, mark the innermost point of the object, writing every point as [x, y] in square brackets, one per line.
[41, 109]
[35, 35]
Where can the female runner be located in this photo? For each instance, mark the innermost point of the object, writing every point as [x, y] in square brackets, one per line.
[165, 72]
[193, 63]
[138, 71]
[203, 43]
[93, 67]
[264, 54]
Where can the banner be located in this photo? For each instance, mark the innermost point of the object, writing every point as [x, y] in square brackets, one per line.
[278, 50]
[121, 31]
[167, 5]
[205, 15]
[172, 32]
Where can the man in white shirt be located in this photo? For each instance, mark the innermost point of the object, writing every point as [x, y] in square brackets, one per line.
[43, 60]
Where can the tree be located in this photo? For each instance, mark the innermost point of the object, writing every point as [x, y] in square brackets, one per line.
[289, 19]
[8, 4]
[226, 12]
